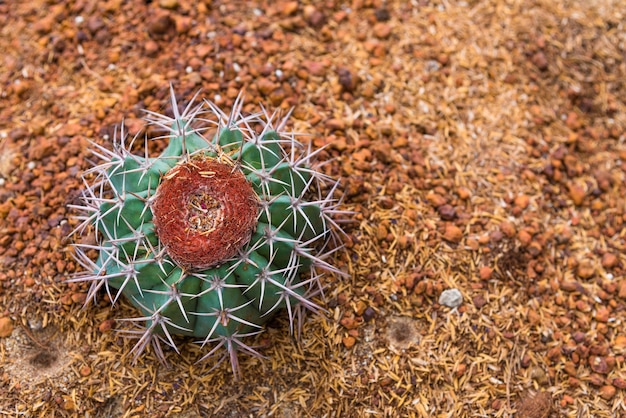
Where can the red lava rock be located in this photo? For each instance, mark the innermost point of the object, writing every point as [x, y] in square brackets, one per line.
[609, 260]
[400, 142]
[496, 404]
[460, 370]
[348, 341]
[315, 68]
[524, 237]
[464, 193]
[161, 24]
[420, 287]
[349, 323]
[533, 317]
[85, 371]
[288, 8]
[335, 125]
[585, 269]
[583, 306]
[446, 212]
[570, 286]
[66, 300]
[479, 301]
[620, 342]
[410, 281]
[566, 400]
[521, 201]
[106, 325]
[43, 147]
[453, 234]
[599, 364]
[342, 298]
[79, 297]
[485, 273]
[6, 327]
[382, 30]
[622, 289]
[314, 17]
[507, 229]
[45, 25]
[599, 349]
[474, 244]
[596, 380]
[435, 199]
[495, 236]
[619, 383]
[570, 369]
[540, 61]
[534, 249]
[265, 86]
[607, 392]
[577, 194]
[602, 314]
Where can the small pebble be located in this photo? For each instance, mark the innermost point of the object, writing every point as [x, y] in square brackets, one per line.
[585, 269]
[85, 371]
[106, 325]
[160, 24]
[451, 298]
[382, 30]
[620, 342]
[348, 341]
[522, 201]
[609, 260]
[619, 383]
[607, 392]
[485, 273]
[382, 14]
[577, 194]
[168, 4]
[622, 289]
[6, 327]
[349, 323]
[540, 60]
[453, 234]
[602, 314]
[369, 314]
[479, 301]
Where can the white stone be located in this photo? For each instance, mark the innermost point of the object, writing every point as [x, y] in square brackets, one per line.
[451, 298]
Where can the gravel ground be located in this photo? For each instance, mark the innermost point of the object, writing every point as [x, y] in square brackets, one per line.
[481, 146]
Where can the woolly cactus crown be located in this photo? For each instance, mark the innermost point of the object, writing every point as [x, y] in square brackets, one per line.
[230, 224]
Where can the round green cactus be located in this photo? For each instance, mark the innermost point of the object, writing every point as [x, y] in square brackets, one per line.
[230, 224]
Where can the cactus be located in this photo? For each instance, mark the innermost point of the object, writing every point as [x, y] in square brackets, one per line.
[229, 225]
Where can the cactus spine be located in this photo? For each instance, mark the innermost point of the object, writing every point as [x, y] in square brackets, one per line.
[230, 224]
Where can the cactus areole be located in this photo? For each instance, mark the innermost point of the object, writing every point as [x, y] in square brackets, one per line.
[204, 212]
[230, 224]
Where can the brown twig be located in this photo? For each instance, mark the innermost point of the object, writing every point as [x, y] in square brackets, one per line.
[31, 337]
